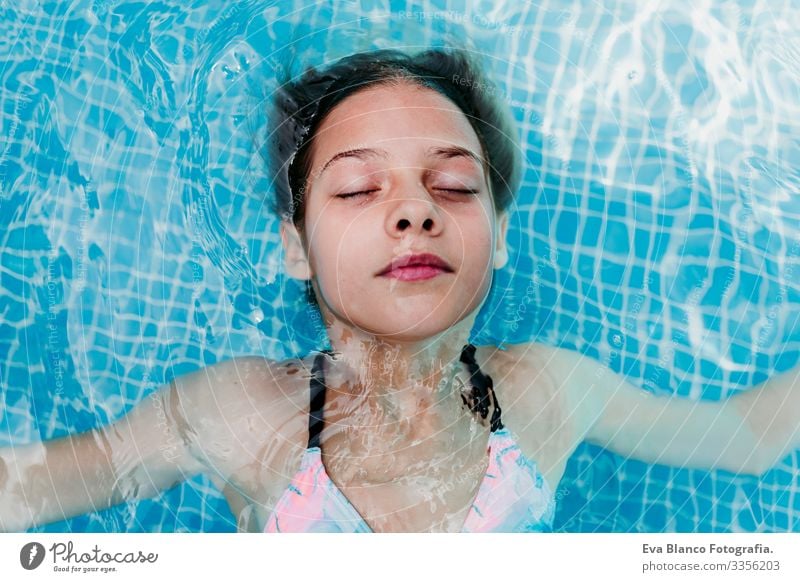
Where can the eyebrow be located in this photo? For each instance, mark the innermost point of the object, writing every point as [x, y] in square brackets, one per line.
[438, 152]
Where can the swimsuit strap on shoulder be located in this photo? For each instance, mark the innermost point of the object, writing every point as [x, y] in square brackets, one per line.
[317, 390]
[482, 389]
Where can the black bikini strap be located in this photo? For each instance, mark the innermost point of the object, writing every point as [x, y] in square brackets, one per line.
[482, 389]
[317, 384]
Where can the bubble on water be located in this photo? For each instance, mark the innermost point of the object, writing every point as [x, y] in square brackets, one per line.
[257, 315]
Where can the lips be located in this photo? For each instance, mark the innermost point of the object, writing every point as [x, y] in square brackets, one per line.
[414, 267]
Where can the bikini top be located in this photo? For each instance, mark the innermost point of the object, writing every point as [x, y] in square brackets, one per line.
[512, 497]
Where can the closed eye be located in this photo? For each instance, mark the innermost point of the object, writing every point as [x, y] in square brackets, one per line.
[353, 194]
[459, 190]
[362, 192]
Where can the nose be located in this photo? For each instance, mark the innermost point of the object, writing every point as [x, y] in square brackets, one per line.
[414, 213]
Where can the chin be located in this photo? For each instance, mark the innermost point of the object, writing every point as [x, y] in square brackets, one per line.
[411, 327]
[405, 335]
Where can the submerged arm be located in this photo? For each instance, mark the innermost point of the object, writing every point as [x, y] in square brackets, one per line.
[747, 433]
[134, 458]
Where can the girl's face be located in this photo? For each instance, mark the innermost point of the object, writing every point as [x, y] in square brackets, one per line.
[396, 171]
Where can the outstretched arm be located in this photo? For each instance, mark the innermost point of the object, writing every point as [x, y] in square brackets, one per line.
[747, 433]
[139, 455]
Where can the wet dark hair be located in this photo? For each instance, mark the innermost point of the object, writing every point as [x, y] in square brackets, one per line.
[300, 106]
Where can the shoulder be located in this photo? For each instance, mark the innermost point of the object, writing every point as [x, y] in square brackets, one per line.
[246, 419]
[536, 407]
[521, 371]
[243, 386]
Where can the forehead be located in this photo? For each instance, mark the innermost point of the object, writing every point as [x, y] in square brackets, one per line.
[392, 116]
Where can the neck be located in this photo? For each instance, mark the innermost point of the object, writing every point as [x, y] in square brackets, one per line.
[403, 388]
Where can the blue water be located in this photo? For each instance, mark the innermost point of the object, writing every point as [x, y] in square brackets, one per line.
[656, 229]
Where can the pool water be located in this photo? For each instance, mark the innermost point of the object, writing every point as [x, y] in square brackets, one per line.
[656, 228]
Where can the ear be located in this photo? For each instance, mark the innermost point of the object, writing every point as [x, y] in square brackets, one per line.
[501, 248]
[297, 265]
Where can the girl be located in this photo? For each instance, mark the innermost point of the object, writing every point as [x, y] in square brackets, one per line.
[394, 177]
